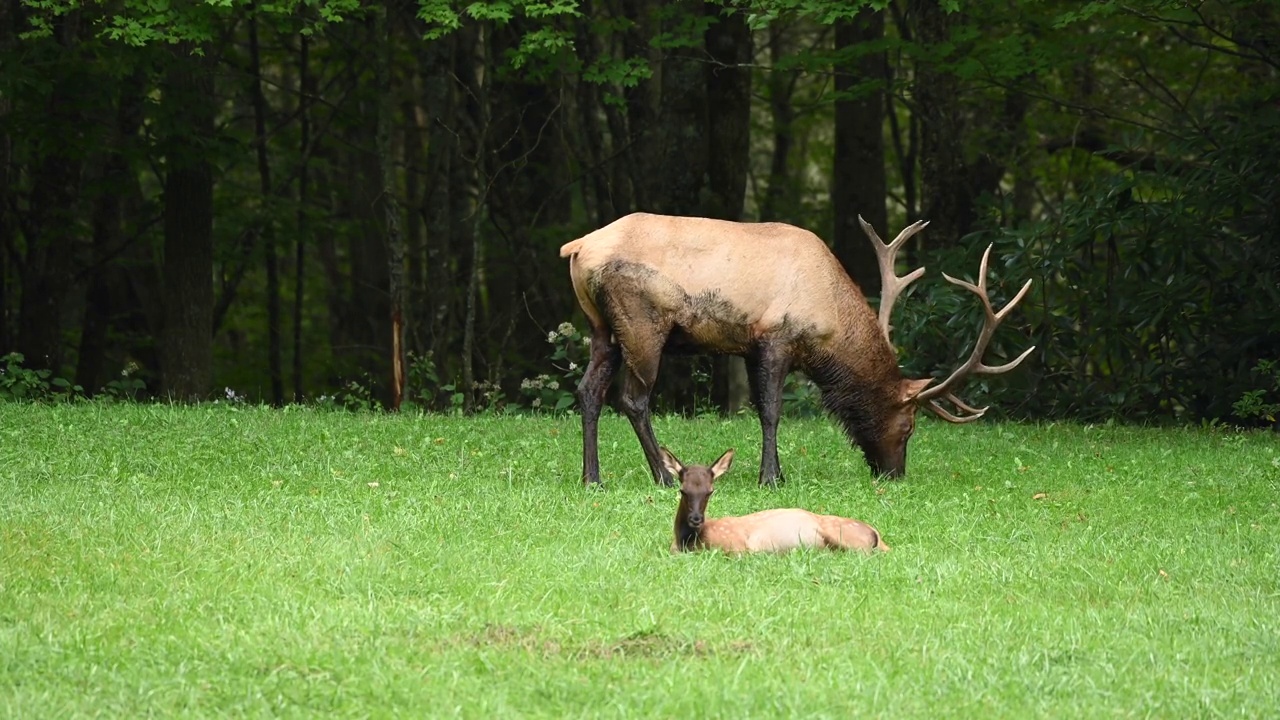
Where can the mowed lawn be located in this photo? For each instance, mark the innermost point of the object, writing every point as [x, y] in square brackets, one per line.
[237, 561]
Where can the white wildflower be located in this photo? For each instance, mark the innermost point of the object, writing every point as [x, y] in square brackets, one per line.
[573, 366]
[566, 329]
[537, 402]
[553, 385]
[551, 336]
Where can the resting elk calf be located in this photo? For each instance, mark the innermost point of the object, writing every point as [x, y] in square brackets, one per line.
[765, 531]
[773, 294]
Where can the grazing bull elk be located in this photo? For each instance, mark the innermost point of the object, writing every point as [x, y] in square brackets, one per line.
[773, 294]
[777, 530]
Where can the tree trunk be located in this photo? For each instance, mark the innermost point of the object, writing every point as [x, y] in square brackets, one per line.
[108, 237]
[7, 229]
[441, 195]
[50, 225]
[858, 182]
[274, 357]
[605, 195]
[369, 303]
[640, 101]
[945, 196]
[728, 83]
[597, 195]
[307, 86]
[390, 204]
[186, 353]
[415, 244]
[476, 78]
[678, 181]
[728, 80]
[779, 196]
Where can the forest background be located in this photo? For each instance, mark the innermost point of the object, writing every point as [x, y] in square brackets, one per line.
[360, 203]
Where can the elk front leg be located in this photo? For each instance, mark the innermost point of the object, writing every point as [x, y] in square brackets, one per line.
[770, 372]
[635, 403]
[592, 391]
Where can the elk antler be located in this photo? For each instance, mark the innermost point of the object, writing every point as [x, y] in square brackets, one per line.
[974, 365]
[890, 284]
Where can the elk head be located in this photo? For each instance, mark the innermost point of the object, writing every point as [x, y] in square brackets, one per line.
[889, 455]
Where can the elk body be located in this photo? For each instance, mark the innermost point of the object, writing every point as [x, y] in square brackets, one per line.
[771, 293]
[765, 531]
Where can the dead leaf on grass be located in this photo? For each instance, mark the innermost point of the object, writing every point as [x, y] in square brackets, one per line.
[1039, 496]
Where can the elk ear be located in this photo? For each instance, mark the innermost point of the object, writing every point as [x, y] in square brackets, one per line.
[912, 388]
[670, 462]
[722, 465]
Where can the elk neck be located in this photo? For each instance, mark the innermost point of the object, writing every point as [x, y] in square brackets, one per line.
[860, 383]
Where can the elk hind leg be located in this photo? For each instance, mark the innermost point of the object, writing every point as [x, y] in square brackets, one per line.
[592, 390]
[637, 388]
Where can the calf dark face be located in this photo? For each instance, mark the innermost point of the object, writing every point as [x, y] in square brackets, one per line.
[696, 487]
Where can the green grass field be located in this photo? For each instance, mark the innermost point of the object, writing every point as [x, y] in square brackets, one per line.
[216, 561]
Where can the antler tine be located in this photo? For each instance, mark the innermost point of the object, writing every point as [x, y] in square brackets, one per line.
[965, 406]
[959, 419]
[890, 284]
[974, 365]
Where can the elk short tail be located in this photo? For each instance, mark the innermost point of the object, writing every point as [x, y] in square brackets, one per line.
[571, 248]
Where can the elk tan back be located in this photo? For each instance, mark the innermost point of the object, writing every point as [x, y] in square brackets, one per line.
[780, 273]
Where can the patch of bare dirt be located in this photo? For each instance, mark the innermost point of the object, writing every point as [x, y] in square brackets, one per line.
[640, 645]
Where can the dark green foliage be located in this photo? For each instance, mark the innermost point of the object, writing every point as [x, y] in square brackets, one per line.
[1262, 404]
[1155, 288]
[1122, 155]
[21, 383]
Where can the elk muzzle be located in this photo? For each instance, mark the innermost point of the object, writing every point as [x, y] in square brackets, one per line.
[891, 464]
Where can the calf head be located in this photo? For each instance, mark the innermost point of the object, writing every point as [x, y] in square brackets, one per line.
[696, 484]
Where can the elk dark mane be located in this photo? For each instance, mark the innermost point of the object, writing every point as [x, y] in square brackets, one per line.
[859, 405]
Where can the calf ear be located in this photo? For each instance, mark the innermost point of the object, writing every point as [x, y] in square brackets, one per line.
[670, 462]
[722, 465]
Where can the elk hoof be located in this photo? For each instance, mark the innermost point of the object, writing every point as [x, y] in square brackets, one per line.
[773, 482]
